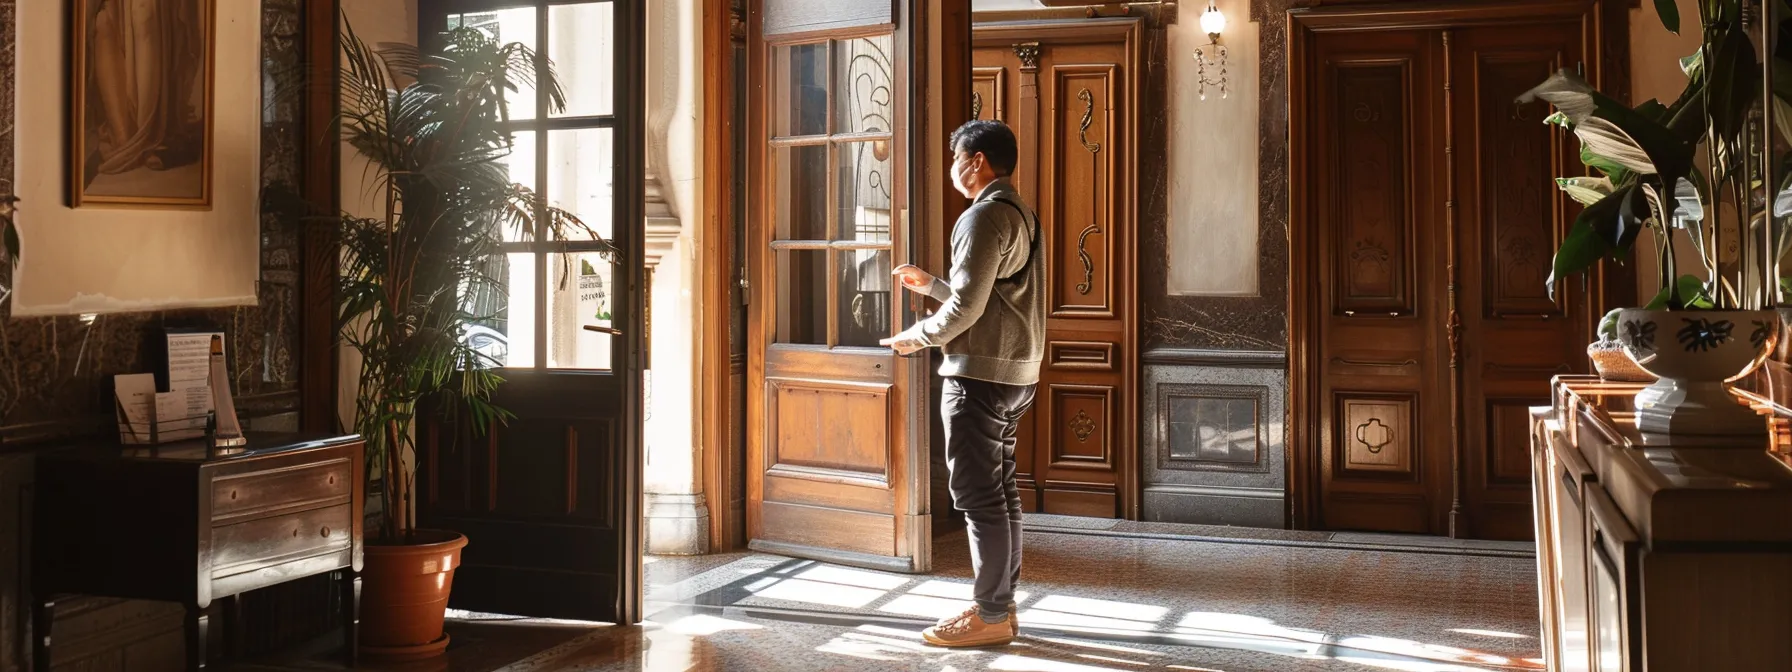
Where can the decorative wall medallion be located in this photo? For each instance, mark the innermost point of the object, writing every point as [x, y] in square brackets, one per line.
[1374, 435]
[1369, 265]
[1701, 334]
[976, 105]
[1640, 334]
[1028, 53]
[1082, 425]
[1365, 113]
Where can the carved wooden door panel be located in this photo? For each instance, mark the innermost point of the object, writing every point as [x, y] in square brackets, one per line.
[1515, 336]
[1068, 92]
[1383, 400]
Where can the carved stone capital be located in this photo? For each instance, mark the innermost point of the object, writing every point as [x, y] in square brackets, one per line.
[1029, 55]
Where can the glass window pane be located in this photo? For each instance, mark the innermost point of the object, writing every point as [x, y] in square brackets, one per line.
[520, 166]
[863, 96]
[864, 311]
[582, 48]
[799, 103]
[802, 296]
[504, 310]
[866, 174]
[581, 165]
[802, 198]
[505, 26]
[579, 293]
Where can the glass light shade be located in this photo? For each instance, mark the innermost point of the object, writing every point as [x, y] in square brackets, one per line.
[1212, 21]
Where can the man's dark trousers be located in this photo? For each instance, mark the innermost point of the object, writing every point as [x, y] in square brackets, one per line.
[981, 420]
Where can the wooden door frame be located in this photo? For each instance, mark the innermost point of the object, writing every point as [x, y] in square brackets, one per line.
[1130, 32]
[321, 186]
[1605, 31]
[716, 278]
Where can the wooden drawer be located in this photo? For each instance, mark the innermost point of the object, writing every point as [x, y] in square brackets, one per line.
[275, 539]
[237, 496]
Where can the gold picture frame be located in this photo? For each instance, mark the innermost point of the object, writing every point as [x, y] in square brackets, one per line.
[141, 103]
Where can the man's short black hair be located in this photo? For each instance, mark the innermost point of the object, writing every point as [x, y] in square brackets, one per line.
[993, 139]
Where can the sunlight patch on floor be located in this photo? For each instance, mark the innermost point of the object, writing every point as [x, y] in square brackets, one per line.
[854, 577]
[825, 594]
[1103, 608]
[1012, 663]
[702, 625]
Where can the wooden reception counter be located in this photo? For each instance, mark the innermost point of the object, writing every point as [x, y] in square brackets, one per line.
[1655, 556]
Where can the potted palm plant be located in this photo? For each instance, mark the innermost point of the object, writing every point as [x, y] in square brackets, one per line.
[1703, 330]
[432, 127]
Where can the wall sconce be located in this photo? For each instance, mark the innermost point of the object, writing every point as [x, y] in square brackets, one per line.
[1213, 54]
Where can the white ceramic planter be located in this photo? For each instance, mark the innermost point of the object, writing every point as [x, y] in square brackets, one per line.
[1695, 354]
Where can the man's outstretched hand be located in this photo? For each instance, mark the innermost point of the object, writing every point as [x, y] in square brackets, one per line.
[912, 277]
[903, 345]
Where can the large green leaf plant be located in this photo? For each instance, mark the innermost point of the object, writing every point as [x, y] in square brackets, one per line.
[1644, 160]
[433, 129]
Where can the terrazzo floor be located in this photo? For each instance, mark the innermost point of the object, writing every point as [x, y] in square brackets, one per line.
[1088, 603]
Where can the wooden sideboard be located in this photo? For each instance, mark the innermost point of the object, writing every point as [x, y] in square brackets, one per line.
[1658, 557]
[180, 523]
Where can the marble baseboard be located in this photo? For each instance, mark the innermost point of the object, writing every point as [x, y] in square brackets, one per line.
[1242, 507]
[677, 524]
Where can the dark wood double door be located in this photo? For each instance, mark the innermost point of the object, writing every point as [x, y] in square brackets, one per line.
[1068, 90]
[1424, 224]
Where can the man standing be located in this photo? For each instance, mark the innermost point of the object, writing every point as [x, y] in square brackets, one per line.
[991, 326]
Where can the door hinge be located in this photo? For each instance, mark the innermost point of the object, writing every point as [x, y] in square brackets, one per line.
[746, 291]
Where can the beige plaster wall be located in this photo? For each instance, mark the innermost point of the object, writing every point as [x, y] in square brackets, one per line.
[104, 260]
[1213, 183]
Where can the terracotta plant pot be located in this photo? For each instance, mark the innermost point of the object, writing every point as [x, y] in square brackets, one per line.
[1695, 354]
[404, 595]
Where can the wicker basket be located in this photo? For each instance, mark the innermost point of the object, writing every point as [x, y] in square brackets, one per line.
[1614, 365]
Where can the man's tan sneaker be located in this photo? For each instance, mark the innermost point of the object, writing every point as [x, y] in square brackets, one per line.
[968, 630]
[1014, 617]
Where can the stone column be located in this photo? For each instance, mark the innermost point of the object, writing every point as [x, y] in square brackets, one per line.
[676, 515]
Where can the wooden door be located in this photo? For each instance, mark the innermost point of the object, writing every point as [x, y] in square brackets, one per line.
[837, 466]
[1069, 90]
[551, 501]
[1423, 331]
[1383, 401]
[1515, 336]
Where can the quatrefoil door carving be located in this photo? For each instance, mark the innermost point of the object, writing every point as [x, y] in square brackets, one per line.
[1082, 425]
[1374, 435]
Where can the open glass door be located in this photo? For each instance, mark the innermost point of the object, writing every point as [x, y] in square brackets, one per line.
[550, 502]
[837, 465]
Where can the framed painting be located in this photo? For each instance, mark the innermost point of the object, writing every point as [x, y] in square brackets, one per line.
[140, 112]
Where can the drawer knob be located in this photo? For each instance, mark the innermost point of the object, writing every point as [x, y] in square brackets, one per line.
[233, 494]
[325, 532]
[332, 480]
[295, 533]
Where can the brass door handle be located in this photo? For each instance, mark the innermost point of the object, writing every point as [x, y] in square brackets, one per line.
[603, 330]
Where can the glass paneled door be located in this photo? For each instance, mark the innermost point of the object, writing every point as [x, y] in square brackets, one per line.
[837, 468]
[550, 501]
